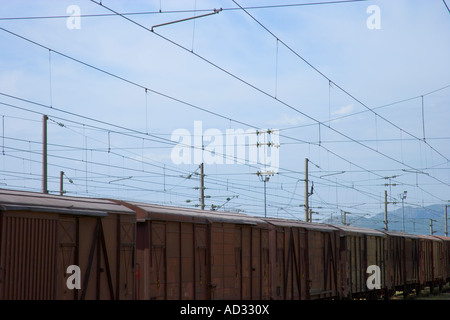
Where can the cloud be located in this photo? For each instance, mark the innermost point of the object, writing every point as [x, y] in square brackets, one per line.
[153, 157]
[286, 120]
[344, 110]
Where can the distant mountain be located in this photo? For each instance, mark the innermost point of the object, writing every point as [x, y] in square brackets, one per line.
[417, 220]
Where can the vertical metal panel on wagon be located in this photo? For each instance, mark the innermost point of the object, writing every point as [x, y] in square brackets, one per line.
[361, 248]
[304, 259]
[28, 256]
[42, 235]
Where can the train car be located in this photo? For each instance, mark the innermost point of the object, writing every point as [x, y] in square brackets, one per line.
[200, 255]
[304, 260]
[445, 257]
[360, 249]
[431, 265]
[58, 247]
[403, 262]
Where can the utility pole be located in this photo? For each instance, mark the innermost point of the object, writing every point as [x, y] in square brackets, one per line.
[390, 184]
[61, 188]
[264, 177]
[445, 215]
[202, 188]
[344, 217]
[385, 211]
[306, 192]
[311, 214]
[44, 154]
[431, 227]
[403, 197]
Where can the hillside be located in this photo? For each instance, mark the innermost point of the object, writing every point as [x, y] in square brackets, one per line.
[417, 220]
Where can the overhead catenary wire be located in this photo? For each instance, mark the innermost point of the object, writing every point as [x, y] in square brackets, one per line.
[445, 3]
[160, 11]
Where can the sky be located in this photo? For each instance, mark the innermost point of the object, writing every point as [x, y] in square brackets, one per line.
[136, 91]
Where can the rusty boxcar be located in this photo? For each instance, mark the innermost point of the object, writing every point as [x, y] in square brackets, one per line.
[403, 262]
[130, 250]
[304, 260]
[431, 255]
[42, 235]
[361, 248]
[445, 257]
[200, 255]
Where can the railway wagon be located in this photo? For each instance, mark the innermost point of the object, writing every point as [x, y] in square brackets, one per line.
[403, 270]
[445, 257]
[199, 255]
[359, 249]
[304, 260]
[431, 256]
[42, 235]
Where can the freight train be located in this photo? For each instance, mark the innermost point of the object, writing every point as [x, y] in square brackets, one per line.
[60, 247]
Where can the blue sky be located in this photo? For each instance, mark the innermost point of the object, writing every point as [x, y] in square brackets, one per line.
[346, 97]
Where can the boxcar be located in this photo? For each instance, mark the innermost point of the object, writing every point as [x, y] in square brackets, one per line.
[42, 235]
[403, 267]
[445, 257]
[361, 248]
[200, 255]
[304, 259]
[431, 255]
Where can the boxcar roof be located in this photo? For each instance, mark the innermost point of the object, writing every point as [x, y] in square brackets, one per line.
[443, 238]
[401, 234]
[152, 211]
[358, 230]
[300, 224]
[13, 200]
[432, 238]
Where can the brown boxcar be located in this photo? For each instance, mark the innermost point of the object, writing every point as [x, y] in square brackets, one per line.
[431, 255]
[42, 235]
[304, 260]
[361, 248]
[445, 257]
[403, 259]
[200, 255]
